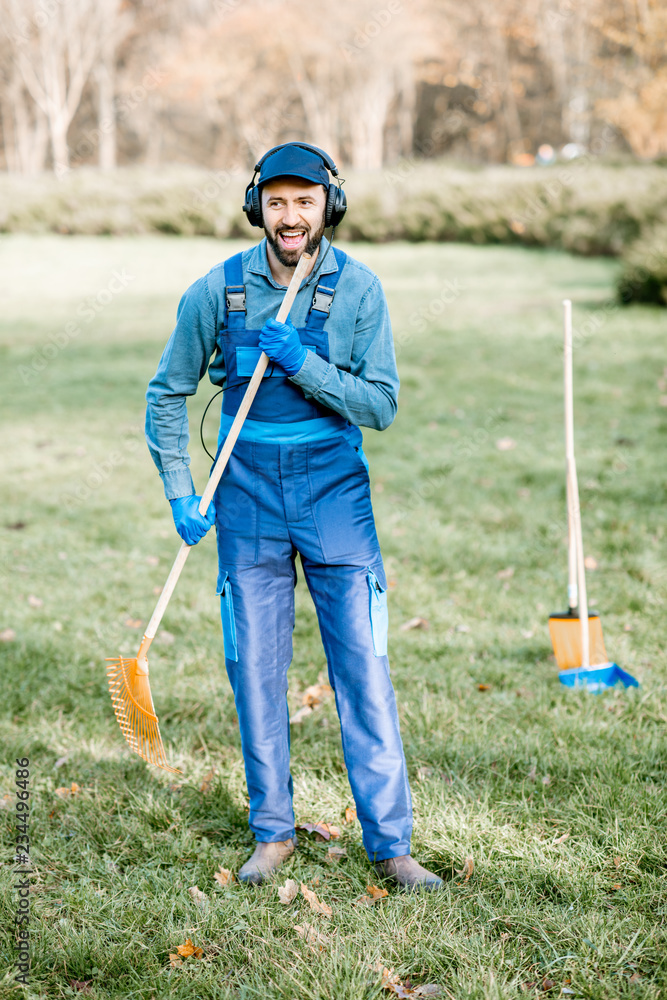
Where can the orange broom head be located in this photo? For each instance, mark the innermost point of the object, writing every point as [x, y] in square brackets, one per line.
[132, 702]
[565, 630]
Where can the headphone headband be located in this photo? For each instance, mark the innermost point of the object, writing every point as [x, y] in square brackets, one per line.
[326, 159]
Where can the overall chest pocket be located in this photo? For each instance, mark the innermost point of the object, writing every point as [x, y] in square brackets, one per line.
[247, 358]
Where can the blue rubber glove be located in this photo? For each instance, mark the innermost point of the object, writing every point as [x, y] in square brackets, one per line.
[190, 524]
[281, 342]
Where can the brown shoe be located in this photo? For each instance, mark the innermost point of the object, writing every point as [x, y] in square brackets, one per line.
[407, 872]
[266, 859]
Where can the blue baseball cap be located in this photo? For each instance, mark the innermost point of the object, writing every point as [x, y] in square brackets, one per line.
[294, 161]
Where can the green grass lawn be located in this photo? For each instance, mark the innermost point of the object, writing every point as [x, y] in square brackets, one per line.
[557, 796]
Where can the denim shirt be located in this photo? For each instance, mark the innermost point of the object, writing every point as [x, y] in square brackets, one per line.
[359, 382]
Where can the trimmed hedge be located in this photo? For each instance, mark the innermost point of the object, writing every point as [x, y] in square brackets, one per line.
[585, 207]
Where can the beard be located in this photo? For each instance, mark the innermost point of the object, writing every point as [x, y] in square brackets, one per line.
[290, 258]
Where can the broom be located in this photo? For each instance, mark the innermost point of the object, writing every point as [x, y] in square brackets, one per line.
[574, 645]
[128, 676]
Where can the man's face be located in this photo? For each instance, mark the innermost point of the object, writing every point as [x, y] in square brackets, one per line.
[293, 213]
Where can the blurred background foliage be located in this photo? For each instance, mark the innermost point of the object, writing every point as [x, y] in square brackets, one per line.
[407, 95]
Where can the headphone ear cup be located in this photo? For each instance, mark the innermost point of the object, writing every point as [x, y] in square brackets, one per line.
[336, 206]
[330, 204]
[252, 206]
[256, 217]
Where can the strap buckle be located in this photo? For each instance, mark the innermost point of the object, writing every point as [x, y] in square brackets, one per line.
[323, 298]
[235, 298]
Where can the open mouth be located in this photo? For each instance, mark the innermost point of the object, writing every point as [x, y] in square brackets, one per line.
[291, 239]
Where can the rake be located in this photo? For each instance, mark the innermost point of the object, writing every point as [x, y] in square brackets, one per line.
[129, 686]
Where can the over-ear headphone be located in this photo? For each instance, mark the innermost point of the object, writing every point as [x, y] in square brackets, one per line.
[336, 203]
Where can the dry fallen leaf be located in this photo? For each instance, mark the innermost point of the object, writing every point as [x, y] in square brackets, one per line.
[223, 876]
[467, 870]
[188, 949]
[81, 985]
[133, 622]
[315, 939]
[315, 694]
[199, 897]
[7, 635]
[422, 623]
[175, 960]
[390, 981]
[7, 802]
[350, 814]
[335, 853]
[427, 990]
[35, 602]
[314, 903]
[590, 562]
[301, 714]
[63, 793]
[152, 560]
[505, 574]
[505, 444]
[546, 780]
[322, 831]
[560, 840]
[374, 896]
[532, 774]
[206, 781]
[617, 861]
[288, 892]
[616, 886]
[547, 984]
[483, 687]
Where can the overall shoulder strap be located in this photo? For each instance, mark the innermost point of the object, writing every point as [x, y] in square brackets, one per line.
[235, 304]
[323, 295]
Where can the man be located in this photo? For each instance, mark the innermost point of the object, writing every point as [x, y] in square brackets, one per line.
[296, 482]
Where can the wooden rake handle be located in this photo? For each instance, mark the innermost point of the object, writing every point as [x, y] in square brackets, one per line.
[219, 467]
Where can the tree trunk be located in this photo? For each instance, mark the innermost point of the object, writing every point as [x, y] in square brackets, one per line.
[29, 138]
[106, 112]
[59, 147]
[368, 109]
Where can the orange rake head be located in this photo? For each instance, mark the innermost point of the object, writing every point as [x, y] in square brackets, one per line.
[132, 702]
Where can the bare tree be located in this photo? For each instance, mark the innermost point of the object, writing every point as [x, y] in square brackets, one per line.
[24, 129]
[55, 47]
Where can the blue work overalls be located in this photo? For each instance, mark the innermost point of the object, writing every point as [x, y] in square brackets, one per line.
[297, 481]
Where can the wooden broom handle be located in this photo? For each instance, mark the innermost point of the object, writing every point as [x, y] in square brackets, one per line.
[300, 271]
[575, 539]
[572, 569]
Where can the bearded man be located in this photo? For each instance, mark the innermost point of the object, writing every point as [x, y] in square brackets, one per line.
[296, 483]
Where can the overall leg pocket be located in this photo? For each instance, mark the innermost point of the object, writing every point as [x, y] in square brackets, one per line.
[224, 589]
[379, 613]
